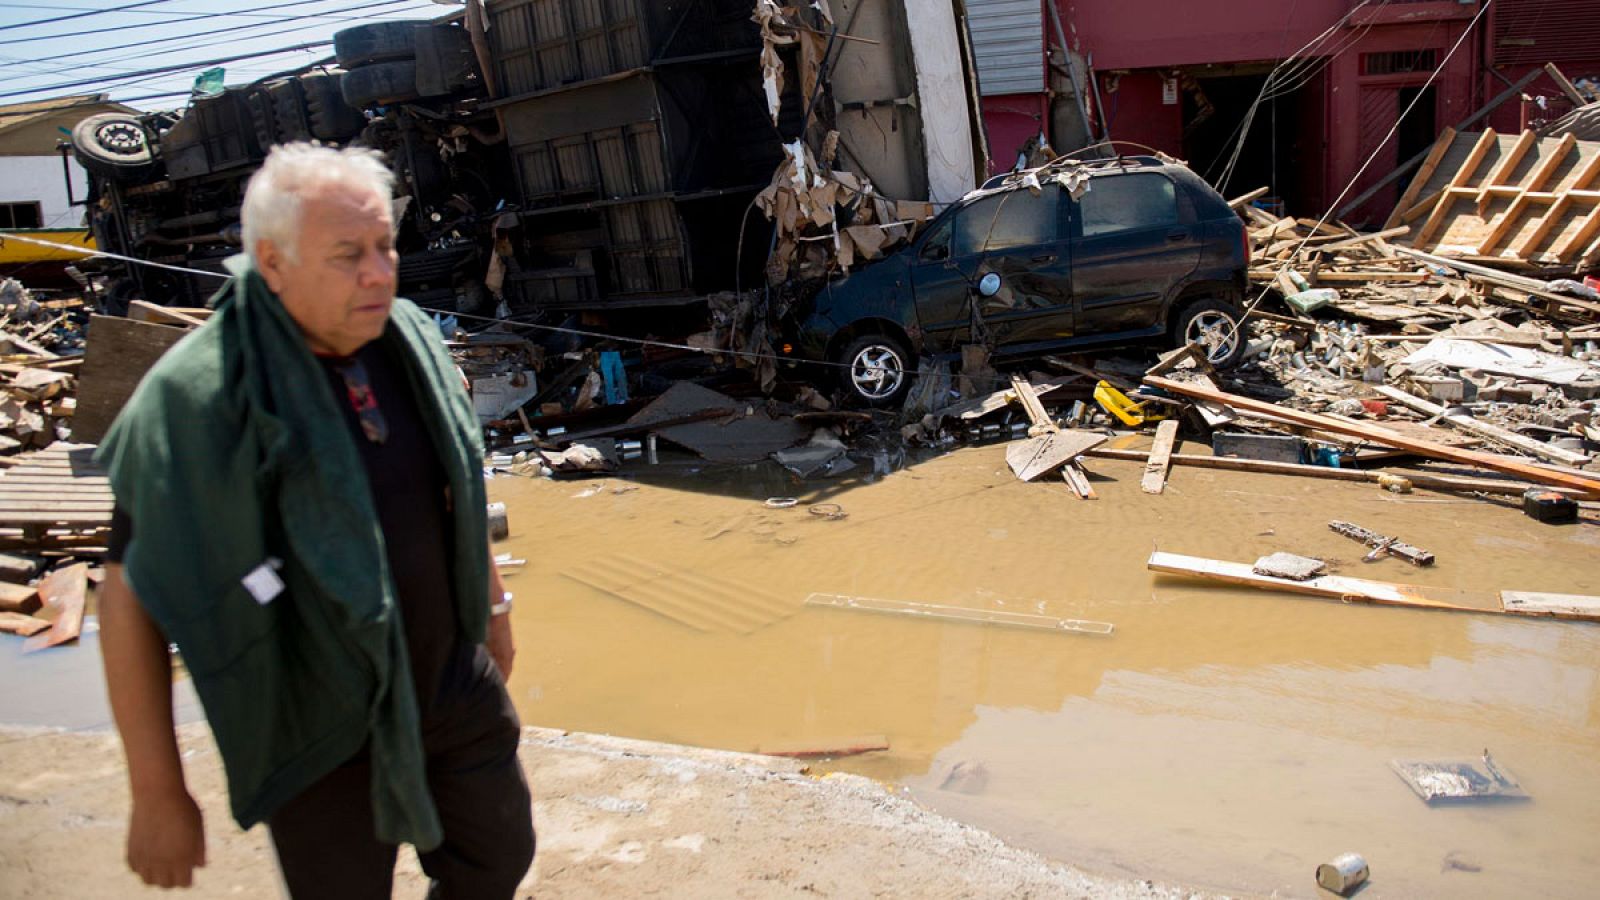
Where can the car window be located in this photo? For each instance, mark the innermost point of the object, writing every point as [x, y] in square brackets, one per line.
[937, 244]
[1128, 202]
[1006, 220]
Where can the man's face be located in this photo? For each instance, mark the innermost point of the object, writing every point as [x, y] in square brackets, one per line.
[341, 288]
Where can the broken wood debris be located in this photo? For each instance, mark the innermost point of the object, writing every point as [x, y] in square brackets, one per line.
[1385, 545]
[826, 748]
[1378, 593]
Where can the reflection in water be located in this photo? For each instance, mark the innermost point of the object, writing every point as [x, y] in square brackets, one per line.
[1227, 738]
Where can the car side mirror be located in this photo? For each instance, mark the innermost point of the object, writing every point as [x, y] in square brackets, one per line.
[989, 285]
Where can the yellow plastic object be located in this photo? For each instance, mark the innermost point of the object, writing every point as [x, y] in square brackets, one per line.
[1120, 405]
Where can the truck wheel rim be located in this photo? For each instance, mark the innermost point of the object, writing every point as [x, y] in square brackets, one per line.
[1216, 332]
[122, 138]
[877, 371]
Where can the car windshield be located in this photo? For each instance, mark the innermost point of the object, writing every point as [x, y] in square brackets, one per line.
[997, 222]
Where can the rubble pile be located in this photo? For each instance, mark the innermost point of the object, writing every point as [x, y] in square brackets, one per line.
[42, 343]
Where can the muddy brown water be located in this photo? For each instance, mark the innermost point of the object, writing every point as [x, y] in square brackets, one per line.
[1221, 737]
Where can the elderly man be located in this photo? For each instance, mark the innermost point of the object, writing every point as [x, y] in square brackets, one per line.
[300, 509]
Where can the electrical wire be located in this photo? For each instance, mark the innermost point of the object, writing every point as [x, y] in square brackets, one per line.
[85, 15]
[164, 70]
[327, 14]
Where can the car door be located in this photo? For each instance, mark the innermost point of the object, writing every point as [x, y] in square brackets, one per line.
[1132, 243]
[1014, 234]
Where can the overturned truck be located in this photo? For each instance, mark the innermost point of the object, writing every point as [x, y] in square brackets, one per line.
[553, 155]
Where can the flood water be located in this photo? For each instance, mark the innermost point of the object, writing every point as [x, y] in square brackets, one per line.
[1224, 738]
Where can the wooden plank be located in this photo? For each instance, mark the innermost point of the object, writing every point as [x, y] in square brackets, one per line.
[1031, 405]
[33, 504]
[1239, 202]
[1559, 606]
[1557, 214]
[144, 311]
[1441, 214]
[1078, 482]
[1550, 162]
[1155, 470]
[1484, 429]
[1573, 94]
[64, 592]
[70, 519]
[21, 624]
[118, 354]
[1420, 180]
[1587, 230]
[959, 614]
[1421, 208]
[1452, 483]
[1337, 587]
[1501, 173]
[1362, 239]
[1487, 141]
[18, 598]
[1589, 487]
[1585, 178]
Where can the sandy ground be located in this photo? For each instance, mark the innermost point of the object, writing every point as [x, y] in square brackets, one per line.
[616, 818]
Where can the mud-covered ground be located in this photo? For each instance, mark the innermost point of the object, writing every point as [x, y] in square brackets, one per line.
[616, 818]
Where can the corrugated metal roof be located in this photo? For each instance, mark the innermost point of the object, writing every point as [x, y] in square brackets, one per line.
[1534, 32]
[1008, 42]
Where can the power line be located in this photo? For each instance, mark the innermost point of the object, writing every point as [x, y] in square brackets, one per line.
[277, 20]
[165, 70]
[85, 15]
[191, 17]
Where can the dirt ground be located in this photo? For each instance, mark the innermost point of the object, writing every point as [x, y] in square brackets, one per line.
[616, 818]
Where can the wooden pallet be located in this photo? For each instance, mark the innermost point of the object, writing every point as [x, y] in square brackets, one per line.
[58, 496]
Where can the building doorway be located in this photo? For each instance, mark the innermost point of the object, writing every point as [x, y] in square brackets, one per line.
[1238, 152]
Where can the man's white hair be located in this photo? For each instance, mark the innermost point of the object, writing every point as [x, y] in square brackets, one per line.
[272, 200]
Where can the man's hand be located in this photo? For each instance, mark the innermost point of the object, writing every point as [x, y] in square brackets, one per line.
[502, 649]
[166, 841]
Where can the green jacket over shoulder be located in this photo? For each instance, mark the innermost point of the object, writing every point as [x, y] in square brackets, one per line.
[256, 549]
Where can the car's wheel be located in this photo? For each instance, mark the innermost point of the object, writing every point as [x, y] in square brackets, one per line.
[875, 370]
[380, 84]
[376, 42]
[112, 144]
[1215, 326]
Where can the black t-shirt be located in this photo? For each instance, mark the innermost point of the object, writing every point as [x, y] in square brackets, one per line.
[408, 490]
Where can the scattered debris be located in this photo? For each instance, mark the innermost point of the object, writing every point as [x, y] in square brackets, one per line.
[1386, 545]
[1377, 593]
[1290, 566]
[1459, 780]
[1343, 874]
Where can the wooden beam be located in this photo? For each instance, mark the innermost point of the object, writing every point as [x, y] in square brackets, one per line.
[1378, 593]
[1238, 202]
[1585, 177]
[144, 311]
[958, 614]
[1573, 94]
[1501, 173]
[1421, 209]
[1426, 481]
[1155, 470]
[1419, 181]
[1483, 429]
[1441, 213]
[1589, 487]
[1587, 229]
[1556, 213]
[1550, 162]
[1362, 239]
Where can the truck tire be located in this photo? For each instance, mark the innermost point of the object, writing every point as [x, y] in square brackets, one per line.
[289, 111]
[380, 84]
[328, 116]
[113, 145]
[1216, 326]
[377, 42]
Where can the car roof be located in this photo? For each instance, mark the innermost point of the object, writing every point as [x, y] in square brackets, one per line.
[1116, 165]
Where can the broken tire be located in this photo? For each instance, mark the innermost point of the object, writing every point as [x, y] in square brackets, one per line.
[113, 145]
[875, 370]
[380, 84]
[1216, 326]
[328, 116]
[377, 42]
